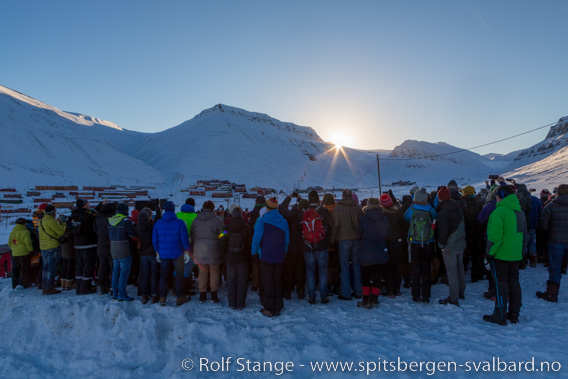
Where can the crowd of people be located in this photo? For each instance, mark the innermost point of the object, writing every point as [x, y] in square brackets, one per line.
[346, 248]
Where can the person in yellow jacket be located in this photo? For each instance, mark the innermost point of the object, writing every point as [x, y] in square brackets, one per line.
[20, 242]
[50, 230]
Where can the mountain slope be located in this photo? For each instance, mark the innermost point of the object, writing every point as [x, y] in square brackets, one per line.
[43, 145]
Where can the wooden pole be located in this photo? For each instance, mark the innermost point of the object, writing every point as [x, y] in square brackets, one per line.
[379, 171]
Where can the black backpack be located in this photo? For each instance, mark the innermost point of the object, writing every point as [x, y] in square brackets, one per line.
[236, 244]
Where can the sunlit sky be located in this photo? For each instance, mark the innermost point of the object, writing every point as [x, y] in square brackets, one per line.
[366, 74]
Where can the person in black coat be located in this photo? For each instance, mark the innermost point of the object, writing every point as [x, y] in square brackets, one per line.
[397, 246]
[103, 246]
[149, 267]
[373, 230]
[256, 283]
[237, 253]
[83, 231]
[294, 273]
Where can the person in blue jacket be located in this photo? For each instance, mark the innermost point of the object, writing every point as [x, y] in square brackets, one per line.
[171, 243]
[422, 247]
[270, 241]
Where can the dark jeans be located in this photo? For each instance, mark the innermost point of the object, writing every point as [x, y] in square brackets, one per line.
[85, 267]
[120, 273]
[294, 273]
[556, 255]
[319, 259]
[21, 271]
[350, 259]
[50, 259]
[421, 265]
[237, 275]
[508, 288]
[68, 268]
[149, 275]
[271, 276]
[393, 271]
[165, 270]
[105, 268]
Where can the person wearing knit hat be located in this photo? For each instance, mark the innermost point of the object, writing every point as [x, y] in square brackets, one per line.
[294, 274]
[85, 241]
[506, 232]
[468, 191]
[554, 222]
[422, 247]
[171, 244]
[188, 215]
[316, 246]
[452, 184]
[421, 196]
[207, 238]
[444, 194]
[398, 256]
[413, 190]
[373, 230]
[20, 243]
[50, 230]
[272, 203]
[475, 249]
[121, 233]
[270, 242]
[385, 200]
[260, 205]
[452, 242]
[345, 223]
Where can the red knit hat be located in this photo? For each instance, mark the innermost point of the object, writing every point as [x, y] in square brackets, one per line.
[272, 203]
[385, 200]
[42, 206]
[444, 194]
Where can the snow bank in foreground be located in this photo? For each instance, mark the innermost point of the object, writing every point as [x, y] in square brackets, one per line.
[69, 336]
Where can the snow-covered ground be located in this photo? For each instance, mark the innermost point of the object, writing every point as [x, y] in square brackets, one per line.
[70, 336]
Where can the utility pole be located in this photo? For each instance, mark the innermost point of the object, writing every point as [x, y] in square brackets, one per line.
[379, 170]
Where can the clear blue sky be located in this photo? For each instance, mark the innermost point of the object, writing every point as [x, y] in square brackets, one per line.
[373, 73]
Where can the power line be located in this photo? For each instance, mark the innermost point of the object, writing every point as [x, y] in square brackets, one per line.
[453, 152]
[471, 148]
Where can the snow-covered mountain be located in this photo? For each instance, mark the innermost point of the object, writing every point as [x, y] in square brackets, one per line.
[44, 145]
[41, 144]
[556, 139]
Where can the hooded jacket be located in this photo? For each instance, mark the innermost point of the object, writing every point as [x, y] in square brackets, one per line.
[554, 220]
[506, 230]
[346, 220]
[373, 229]
[451, 227]
[101, 229]
[188, 215]
[238, 225]
[120, 231]
[20, 241]
[170, 237]
[271, 237]
[207, 232]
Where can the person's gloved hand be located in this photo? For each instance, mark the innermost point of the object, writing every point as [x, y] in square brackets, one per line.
[186, 257]
[158, 258]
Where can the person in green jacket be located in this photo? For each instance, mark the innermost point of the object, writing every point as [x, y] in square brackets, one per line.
[50, 230]
[20, 242]
[507, 237]
[187, 214]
